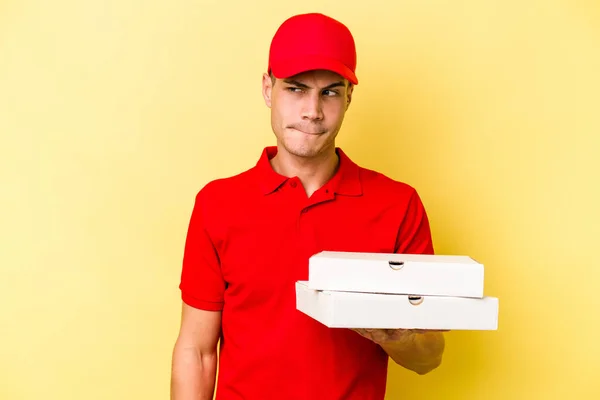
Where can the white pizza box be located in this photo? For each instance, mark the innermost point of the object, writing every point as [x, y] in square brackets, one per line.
[396, 311]
[418, 274]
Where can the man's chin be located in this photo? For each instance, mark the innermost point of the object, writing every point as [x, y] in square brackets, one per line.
[303, 151]
[305, 146]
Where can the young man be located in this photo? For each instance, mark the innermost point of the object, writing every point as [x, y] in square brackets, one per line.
[251, 235]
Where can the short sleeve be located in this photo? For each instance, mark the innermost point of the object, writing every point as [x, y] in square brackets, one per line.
[202, 285]
[414, 233]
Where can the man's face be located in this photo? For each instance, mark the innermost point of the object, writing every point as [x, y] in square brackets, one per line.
[307, 111]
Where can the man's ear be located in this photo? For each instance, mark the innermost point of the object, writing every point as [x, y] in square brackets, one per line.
[349, 91]
[267, 89]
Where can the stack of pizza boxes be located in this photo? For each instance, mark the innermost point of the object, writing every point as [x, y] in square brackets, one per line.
[396, 291]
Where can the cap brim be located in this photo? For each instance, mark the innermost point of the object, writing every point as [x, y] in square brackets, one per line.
[283, 69]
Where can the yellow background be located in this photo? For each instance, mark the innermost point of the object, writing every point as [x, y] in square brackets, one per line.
[114, 113]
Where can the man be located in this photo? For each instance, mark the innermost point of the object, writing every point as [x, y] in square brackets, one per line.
[251, 235]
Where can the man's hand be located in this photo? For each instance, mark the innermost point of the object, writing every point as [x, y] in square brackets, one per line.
[419, 350]
[384, 336]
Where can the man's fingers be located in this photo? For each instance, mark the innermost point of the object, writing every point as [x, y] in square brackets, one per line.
[371, 334]
[360, 331]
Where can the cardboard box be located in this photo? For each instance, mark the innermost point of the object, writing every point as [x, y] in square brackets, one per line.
[418, 274]
[396, 311]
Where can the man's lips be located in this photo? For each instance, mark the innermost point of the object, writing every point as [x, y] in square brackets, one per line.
[308, 132]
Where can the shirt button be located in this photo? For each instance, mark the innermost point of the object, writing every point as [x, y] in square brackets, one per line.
[293, 184]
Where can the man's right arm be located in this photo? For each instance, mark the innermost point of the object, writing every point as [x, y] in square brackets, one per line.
[194, 363]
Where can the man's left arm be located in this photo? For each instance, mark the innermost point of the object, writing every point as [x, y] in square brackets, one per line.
[418, 350]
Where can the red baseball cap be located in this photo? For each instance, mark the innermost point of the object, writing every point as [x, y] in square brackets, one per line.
[309, 42]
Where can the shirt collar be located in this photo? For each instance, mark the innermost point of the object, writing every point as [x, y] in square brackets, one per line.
[346, 180]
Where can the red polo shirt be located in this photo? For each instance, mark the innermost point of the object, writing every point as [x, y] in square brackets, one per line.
[249, 240]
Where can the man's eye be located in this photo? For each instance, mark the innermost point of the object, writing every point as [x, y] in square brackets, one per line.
[294, 89]
[330, 93]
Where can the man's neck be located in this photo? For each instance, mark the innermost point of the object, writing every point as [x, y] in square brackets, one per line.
[312, 172]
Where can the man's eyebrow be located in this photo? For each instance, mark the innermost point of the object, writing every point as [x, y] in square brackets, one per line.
[304, 86]
[334, 85]
[295, 83]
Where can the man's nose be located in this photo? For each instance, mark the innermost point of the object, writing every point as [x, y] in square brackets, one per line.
[312, 107]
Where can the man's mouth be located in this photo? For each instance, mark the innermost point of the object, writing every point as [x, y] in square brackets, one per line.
[308, 132]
